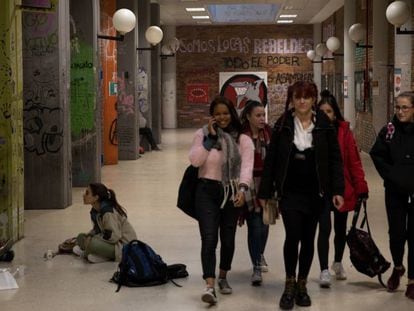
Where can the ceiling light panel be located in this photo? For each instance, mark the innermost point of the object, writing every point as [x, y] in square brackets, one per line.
[200, 17]
[243, 13]
[284, 21]
[195, 9]
[288, 15]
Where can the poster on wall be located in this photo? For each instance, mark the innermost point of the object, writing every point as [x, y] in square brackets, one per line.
[240, 87]
[397, 81]
[197, 93]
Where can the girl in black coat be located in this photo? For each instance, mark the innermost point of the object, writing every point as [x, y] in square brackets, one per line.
[393, 156]
[304, 167]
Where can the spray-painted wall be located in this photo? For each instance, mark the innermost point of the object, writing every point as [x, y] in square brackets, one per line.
[47, 156]
[86, 135]
[11, 135]
[108, 55]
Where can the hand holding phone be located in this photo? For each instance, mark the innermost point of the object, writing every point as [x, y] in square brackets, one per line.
[212, 126]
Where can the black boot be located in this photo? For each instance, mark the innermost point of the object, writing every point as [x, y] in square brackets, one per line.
[287, 300]
[302, 298]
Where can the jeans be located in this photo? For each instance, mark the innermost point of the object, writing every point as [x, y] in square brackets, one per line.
[400, 216]
[257, 233]
[325, 226]
[214, 222]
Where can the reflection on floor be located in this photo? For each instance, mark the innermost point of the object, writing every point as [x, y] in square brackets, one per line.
[147, 188]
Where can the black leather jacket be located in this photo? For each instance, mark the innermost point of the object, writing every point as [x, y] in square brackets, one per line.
[393, 156]
[328, 158]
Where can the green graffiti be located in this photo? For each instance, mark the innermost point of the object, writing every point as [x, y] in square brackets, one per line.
[82, 90]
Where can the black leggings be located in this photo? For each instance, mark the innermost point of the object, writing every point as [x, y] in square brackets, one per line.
[212, 220]
[325, 227]
[300, 224]
[400, 215]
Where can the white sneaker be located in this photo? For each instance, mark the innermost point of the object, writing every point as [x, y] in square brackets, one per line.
[339, 270]
[263, 264]
[325, 279]
[96, 259]
[78, 251]
[209, 296]
[224, 286]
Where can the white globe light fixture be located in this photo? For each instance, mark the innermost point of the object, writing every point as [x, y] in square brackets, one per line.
[333, 44]
[154, 35]
[356, 32]
[124, 21]
[321, 49]
[398, 13]
[173, 44]
[311, 54]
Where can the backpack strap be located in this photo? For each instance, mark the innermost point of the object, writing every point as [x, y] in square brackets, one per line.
[381, 281]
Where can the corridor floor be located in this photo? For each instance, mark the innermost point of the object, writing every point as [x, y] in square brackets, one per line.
[147, 188]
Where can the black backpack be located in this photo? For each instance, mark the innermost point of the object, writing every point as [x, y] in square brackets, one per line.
[142, 266]
[364, 253]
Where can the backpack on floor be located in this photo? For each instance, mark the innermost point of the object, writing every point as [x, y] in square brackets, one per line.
[142, 266]
[364, 253]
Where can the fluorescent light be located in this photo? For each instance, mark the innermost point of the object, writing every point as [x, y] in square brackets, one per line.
[284, 21]
[195, 9]
[200, 17]
[288, 16]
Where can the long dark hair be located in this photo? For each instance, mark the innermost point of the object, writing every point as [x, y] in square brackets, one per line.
[106, 194]
[247, 111]
[235, 121]
[328, 98]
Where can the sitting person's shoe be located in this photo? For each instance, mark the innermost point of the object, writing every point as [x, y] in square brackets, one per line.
[263, 264]
[339, 270]
[257, 276]
[394, 280]
[96, 259]
[78, 251]
[325, 279]
[410, 290]
[302, 298]
[209, 296]
[224, 286]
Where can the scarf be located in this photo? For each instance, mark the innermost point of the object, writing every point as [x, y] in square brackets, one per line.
[260, 145]
[230, 170]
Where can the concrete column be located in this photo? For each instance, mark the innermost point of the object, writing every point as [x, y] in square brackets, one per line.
[47, 156]
[156, 77]
[317, 67]
[379, 64]
[169, 85]
[144, 64]
[403, 52]
[11, 127]
[84, 111]
[349, 62]
[127, 103]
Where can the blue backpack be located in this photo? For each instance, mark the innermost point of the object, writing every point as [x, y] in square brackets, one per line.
[142, 266]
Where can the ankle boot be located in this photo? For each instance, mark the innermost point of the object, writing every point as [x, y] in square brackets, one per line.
[287, 300]
[302, 298]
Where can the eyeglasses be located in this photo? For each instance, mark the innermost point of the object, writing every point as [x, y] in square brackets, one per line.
[402, 108]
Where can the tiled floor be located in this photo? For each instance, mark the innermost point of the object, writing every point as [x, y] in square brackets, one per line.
[148, 189]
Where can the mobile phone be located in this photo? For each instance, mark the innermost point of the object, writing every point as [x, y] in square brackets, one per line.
[215, 126]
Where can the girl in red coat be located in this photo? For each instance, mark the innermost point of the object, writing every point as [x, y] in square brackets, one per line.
[355, 187]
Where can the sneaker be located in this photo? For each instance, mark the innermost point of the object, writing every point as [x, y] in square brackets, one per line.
[394, 280]
[78, 251]
[256, 276]
[339, 270]
[96, 259]
[325, 279]
[263, 264]
[224, 286]
[209, 296]
[410, 291]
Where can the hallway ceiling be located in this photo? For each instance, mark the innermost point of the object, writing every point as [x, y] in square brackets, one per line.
[251, 12]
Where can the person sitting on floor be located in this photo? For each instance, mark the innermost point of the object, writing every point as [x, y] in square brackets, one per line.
[111, 228]
[146, 132]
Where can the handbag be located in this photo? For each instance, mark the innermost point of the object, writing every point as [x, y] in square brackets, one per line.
[186, 191]
[271, 212]
[364, 253]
